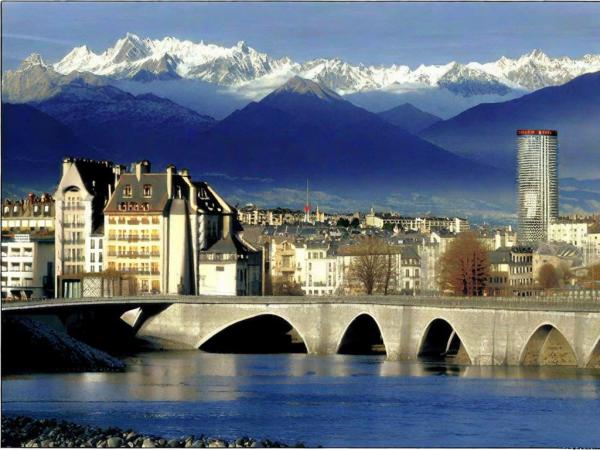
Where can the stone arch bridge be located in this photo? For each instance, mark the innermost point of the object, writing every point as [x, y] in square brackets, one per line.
[478, 331]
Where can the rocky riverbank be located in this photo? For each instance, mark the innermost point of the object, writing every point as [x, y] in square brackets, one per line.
[22, 431]
[33, 346]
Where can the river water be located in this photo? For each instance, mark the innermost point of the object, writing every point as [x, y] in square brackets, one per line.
[323, 400]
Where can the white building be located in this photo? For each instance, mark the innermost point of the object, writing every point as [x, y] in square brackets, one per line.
[571, 231]
[27, 266]
[83, 191]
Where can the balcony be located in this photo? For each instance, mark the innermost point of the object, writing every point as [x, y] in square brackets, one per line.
[133, 254]
[73, 242]
[73, 259]
[73, 207]
[140, 271]
[73, 225]
[133, 238]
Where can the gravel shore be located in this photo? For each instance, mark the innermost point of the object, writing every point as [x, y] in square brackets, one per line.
[20, 431]
[37, 347]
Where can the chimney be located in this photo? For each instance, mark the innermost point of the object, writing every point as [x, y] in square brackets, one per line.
[194, 197]
[170, 171]
[67, 162]
[226, 225]
[117, 169]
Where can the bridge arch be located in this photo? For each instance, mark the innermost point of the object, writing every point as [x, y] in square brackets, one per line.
[441, 341]
[593, 359]
[362, 336]
[264, 332]
[547, 346]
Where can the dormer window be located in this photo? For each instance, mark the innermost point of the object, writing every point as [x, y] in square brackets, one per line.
[36, 208]
[15, 208]
[6, 209]
[122, 206]
[147, 190]
[127, 191]
[46, 208]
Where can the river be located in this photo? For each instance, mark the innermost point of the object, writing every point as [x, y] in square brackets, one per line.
[323, 400]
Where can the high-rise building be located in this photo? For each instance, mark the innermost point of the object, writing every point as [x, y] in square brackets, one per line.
[537, 183]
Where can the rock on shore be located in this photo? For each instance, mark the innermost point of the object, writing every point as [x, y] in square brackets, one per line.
[30, 345]
[20, 431]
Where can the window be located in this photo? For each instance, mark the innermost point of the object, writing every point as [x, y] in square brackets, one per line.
[220, 269]
[147, 190]
[127, 191]
[92, 244]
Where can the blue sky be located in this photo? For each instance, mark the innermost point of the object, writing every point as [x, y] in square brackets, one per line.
[370, 33]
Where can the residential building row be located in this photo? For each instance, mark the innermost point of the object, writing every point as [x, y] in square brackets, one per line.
[323, 267]
[423, 224]
[28, 247]
[153, 232]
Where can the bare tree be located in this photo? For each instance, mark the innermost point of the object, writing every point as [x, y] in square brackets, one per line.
[548, 277]
[373, 265]
[390, 275]
[592, 278]
[465, 267]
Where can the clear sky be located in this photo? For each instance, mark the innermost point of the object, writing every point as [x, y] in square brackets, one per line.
[370, 33]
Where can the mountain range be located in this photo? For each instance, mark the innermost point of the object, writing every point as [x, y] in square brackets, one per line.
[263, 151]
[241, 71]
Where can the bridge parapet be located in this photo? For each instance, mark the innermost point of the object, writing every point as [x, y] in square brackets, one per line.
[585, 301]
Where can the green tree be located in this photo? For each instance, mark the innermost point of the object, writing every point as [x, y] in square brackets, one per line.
[343, 222]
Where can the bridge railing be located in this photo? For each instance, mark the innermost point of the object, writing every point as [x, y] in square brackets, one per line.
[583, 301]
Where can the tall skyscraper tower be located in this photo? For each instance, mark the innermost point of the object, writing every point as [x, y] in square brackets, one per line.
[538, 183]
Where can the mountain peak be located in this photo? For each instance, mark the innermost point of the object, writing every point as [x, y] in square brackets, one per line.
[242, 46]
[35, 59]
[538, 54]
[302, 86]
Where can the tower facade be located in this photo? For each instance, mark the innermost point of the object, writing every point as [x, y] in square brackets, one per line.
[537, 183]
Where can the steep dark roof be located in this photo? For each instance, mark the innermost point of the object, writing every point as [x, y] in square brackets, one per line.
[500, 255]
[157, 202]
[230, 245]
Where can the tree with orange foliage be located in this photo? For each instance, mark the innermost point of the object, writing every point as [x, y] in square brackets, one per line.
[465, 266]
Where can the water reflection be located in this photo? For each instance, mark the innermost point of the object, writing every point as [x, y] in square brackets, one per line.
[341, 400]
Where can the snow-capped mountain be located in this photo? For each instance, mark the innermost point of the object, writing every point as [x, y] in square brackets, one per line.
[247, 70]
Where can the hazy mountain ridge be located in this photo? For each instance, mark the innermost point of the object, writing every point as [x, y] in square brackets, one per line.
[409, 118]
[487, 131]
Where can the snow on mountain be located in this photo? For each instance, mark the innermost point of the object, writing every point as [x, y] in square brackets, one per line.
[253, 74]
